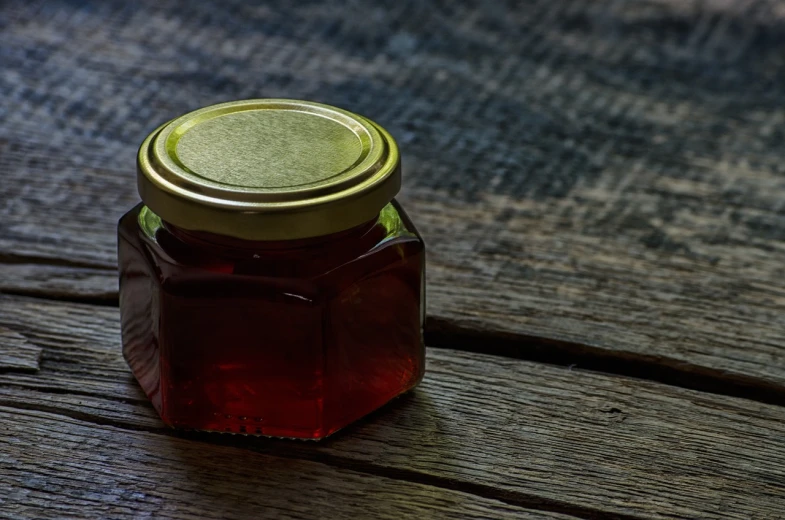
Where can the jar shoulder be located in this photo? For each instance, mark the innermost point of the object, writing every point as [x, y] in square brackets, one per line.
[392, 239]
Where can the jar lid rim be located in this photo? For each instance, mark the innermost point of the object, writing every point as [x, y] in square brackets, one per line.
[268, 169]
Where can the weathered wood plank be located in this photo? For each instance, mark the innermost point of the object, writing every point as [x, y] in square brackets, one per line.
[60, 282]
[16, 353]
[612, 179]
[53, 466]
[574, 442]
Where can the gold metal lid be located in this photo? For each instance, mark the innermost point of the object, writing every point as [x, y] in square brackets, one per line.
[268, 169]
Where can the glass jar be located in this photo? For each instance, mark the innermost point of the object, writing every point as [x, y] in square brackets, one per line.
[269, 282]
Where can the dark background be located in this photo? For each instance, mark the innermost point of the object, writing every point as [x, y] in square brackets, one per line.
[516, 98]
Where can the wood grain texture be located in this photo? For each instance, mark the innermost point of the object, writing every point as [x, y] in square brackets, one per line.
[80, 470]
[605, 177]
[60, 282]
[531, 435]
[16, 353]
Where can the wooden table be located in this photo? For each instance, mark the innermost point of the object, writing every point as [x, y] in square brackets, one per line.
[602, 189]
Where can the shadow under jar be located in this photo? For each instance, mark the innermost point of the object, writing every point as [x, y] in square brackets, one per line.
[269, 282]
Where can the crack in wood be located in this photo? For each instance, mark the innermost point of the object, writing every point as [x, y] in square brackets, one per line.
[71, 391]
[443, 333]
[15, 258]
[102, 300]
[17, 353]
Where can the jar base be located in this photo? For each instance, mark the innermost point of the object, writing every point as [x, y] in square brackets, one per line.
[269, 433]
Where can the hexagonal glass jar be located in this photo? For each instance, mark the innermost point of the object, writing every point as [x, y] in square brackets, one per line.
[290, 337]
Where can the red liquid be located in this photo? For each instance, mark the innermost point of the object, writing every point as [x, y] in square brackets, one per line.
[290, 339]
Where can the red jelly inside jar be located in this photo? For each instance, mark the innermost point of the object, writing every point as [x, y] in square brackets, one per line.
[269, 333]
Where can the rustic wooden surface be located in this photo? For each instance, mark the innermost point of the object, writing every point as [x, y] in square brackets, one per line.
[600, 184]
[16, 353]
[524, 434]
[136, 474]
